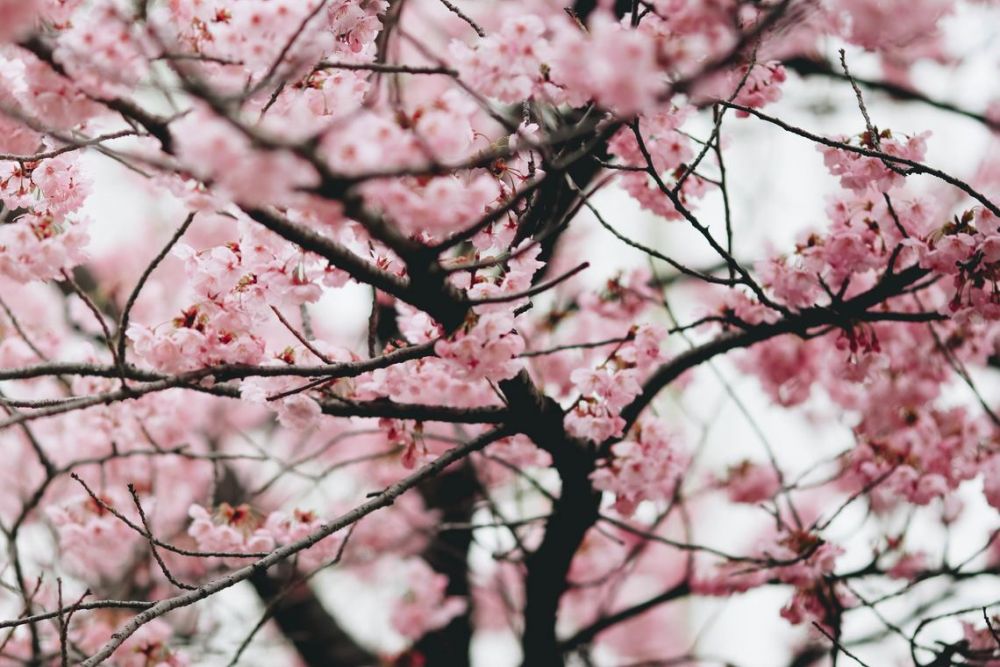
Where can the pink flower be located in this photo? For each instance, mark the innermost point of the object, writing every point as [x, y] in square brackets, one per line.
[487, 349]
[424, 605]
[982, 642]
[793, 285]
[901, 30]
[614, 387]
[991, 481]
[591, 420]
[945, 254]
[436, 207]
[40, 247]
[751, 482]
[95, 543]
[507, 64]
[858, 172]
[17, 18]
[231, 530]
[909, 565]
[148, 647]
[813, 605]
[288, 528]
[298, 412]
[761, 86]
[610, 63]
[646, 468]
[213, 149]
[786, 366]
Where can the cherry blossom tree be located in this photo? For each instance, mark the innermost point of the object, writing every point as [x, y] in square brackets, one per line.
[380, 334]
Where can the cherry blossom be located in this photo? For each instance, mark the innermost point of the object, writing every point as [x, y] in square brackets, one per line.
[858, 172]
[751, 482]
[17, 18]
[424, 604]
[229, 529]
[647, 467]
[497, 324]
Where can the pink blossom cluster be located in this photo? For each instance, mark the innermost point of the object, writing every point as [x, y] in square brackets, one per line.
[859, 172]
[397, 143]
[669, 150]
[749, 482]
[967, 251]
[605, 390]
[40, 247]
[753, 85]
[796, 557]
[488, 345]
[646, 466]
[231, 530]
[609, 63]
[799, 558]
[820, 604]
[197, 337]
[252, 33]
[510, 64]
[424, 604]
[39, 91]
[991, 481]
[486, 349]
[154, 644]
[235, 285]
[901, 31]
[148, 647]
[17, 17]
[981, 642]
[240, 529]
[297, 411]
[96, 544]
[441, 130]
[214, 150]
[908, 445]
[786, 368]
[433, 208]
[863, 233]
[104, 49]
[924, 459]
[47, 234]
[762, 85]
[408, 435]
[286, 528]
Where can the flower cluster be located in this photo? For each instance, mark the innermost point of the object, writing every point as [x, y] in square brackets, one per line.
[17, 18]
[424, 605]
[236, 530]
[45, 232]
[967, 251]
[796, 557]
[229, 530]
[96, 543]
[485, 349]
[749, 482]
[370, 195]
[236, 286]
[646, 466]
[858, 172]
[669, 151]
[605, 390]
[509, 64]
[299, 524]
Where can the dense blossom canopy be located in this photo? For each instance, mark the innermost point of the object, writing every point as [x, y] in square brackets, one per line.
[377, 333]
